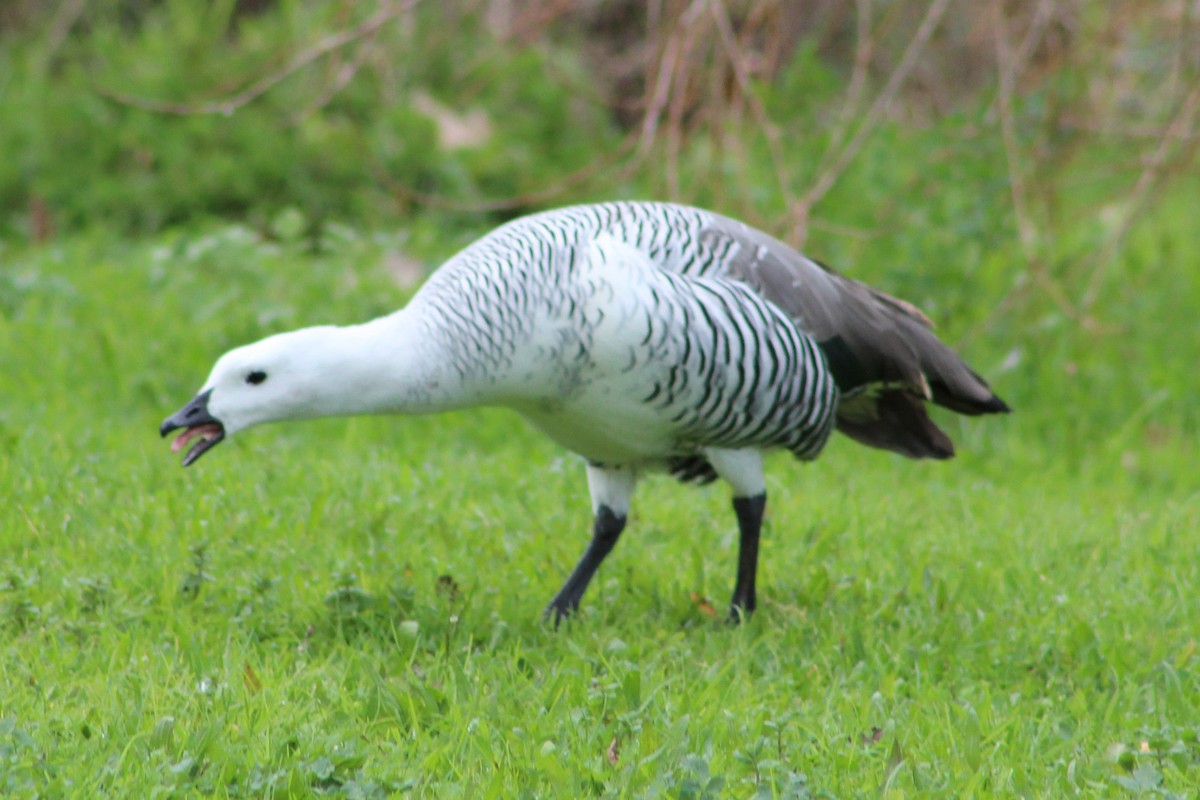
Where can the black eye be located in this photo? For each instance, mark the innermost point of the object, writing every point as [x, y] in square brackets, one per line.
[256, 377]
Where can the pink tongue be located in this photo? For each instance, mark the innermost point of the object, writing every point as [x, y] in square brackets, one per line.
[191, 433]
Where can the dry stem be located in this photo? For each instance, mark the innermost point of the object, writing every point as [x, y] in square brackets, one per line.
[828, 177]
[1026, 230]
[387, 12]
[1179, 129]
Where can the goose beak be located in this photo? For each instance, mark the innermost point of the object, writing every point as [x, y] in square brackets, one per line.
[197, 423]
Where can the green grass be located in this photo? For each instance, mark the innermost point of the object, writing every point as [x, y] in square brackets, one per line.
[351, 607]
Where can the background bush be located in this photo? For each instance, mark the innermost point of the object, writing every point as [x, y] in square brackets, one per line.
[135, 116]
[120, 123]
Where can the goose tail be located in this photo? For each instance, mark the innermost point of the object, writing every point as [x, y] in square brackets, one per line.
[885, 358]
[888, 409]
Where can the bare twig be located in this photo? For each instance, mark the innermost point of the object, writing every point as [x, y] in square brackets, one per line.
[531, 23]
[1130, 131]
[828, 177]
[1026, 230]
[604, 162]
[675, 110]
[1179, 129]
[345, 73]
[65, 18]
[1042, 16]
[388, 11]
[770, 131]
[660, 89]
[863, 50]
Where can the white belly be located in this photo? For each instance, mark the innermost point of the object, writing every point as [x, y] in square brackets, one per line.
[607, 426]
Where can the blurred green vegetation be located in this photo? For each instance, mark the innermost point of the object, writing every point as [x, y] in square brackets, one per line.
[134, 115]
[1030, 146]
[105, 127]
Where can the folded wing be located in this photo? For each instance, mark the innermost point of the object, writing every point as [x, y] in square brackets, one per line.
[881, 350]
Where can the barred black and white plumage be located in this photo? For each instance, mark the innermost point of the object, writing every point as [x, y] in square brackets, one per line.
[642, 336]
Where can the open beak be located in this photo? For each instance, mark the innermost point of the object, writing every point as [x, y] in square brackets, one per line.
[197, 424]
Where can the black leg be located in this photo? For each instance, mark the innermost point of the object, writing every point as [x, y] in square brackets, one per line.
[605, 531]
[749, 512]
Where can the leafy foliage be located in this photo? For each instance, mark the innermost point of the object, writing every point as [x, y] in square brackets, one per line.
[109, 130]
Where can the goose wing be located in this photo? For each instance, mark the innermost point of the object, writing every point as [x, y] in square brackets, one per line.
[882, 351]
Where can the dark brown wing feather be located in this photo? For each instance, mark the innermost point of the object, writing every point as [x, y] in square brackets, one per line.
[882, 350]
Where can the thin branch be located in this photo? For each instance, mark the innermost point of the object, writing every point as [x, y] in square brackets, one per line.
[864, 47]
[532, 22]
[656, 99]
[1042, 16]
[533, 197]
[1130, 131]
[65, 18]
[387, 12]
[1180, 128]
[829, 176]
[1026, 230]
[675, 110]
[345, 74]
[769, 129]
